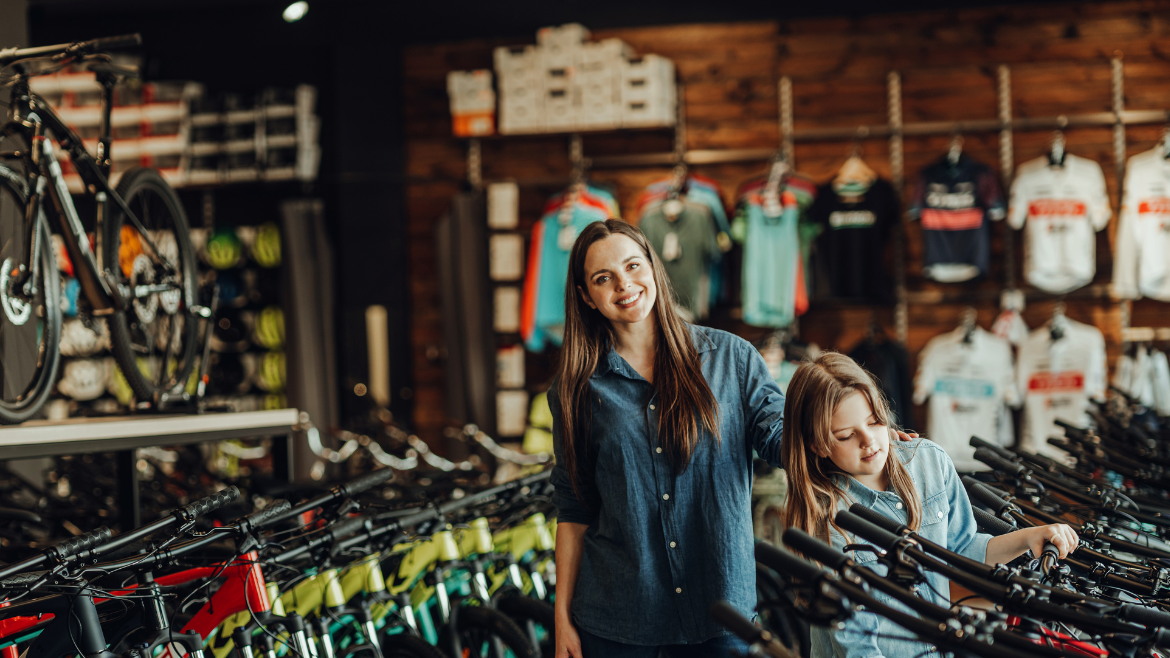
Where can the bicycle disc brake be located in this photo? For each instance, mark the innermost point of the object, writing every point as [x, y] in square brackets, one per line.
[17, 310]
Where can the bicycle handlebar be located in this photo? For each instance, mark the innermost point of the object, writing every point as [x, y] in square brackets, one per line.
[992, 525]
[208, 504]
[10, 55]
[337, 493]
[70, 548]
[261, 518]
[985, 496]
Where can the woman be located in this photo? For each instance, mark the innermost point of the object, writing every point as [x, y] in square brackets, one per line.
[654, 425]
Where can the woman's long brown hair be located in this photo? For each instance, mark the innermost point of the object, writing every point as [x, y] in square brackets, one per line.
[685, 399]
[813, 395]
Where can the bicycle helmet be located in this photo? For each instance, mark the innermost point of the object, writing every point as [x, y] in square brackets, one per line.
[231, 332]
[223, 249]
[129, 248]
[270, 375]
[275, 401]
[71, 289]
[83, 379]
[80, 339]
[269, 331]
[266, 249]
[231, 289]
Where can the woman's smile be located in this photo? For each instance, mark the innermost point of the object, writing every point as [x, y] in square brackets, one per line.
[629, 300]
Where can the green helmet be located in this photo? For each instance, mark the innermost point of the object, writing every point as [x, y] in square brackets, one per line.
[223, 250]
[269, 328]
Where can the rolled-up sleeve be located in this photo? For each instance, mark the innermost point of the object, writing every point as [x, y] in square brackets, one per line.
[570, 508]
[763, 406]
[965, 538]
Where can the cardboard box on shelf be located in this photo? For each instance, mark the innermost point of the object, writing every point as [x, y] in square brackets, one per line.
[506, 310]
[510, 366]
[511, 412]
[648, 113]
[521, 114]
[562, 108]
[503, 205]
[604, 53]
[569, 34]
[599, 114]
[517, 62]
[646, 77]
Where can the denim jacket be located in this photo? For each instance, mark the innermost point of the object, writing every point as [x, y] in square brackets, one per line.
[660, 546]
[947, 520]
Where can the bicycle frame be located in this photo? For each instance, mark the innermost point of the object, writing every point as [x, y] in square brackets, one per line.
[30, 118]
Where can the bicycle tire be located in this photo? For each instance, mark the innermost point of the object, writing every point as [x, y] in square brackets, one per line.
[25, 388]
[143, 190]
[405, 645]
[479, 624]
[532, 616]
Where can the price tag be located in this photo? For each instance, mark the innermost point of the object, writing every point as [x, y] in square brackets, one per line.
[670, 247]
[672, 208]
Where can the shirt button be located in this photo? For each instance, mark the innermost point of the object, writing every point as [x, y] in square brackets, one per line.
[678, 590]
[651, 407]
[672, 544]
[898, 505]
[658, 450]
[940, 514]
[665, 496]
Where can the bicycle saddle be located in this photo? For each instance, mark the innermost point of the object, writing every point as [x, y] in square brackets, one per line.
[113, 70]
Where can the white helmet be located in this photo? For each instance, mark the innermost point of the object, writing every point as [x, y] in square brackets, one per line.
[77, 339]
[84, 379]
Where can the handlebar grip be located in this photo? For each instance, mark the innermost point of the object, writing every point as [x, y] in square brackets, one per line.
[877, 518]
[347, 527]
[1069, 428]
[992, 525]
[114, 43]
[985, 496]
[786, 563]
[878, 536]
[998, 463]
[732, 620]
[1142, 615]
[208, 504]
[977, 442]
[814, 548]
[20, 580]
[367, 481]
[67, 549]
[257, 520]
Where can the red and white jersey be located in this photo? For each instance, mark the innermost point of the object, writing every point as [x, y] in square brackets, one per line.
[1141, 266]
[1057, 378]
[1062, 208]
[968, 385]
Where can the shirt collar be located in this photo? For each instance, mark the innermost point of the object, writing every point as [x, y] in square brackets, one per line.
[610, 361]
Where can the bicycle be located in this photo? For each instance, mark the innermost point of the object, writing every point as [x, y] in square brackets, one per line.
[140, 273]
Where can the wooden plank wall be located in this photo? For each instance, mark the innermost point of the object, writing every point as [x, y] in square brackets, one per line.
[1060, 64]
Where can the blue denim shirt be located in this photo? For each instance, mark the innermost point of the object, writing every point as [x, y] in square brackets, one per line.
[661, 547]
[947, 520]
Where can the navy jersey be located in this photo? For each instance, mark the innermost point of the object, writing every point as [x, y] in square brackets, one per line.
[955, 204]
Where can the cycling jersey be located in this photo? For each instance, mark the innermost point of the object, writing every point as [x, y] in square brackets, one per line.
[1057, 378]
[687, 247]
[851, 248]
[1063, 207]
[968, 385]
[1141, 265]
[955, 204]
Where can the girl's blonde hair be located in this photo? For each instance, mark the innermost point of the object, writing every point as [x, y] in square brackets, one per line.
[813, 395]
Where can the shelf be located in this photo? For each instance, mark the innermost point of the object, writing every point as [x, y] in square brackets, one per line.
[82, 435]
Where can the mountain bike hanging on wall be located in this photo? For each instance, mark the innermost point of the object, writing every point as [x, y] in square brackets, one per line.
[138, 271]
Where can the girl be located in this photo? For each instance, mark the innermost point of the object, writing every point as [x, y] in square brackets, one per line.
[837, 451]
[654, 425]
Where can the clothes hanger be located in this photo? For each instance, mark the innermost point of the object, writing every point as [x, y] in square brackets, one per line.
[1058, 322]
[854, 170]
[777, 174]
[673, 206]
[968, 323]
[1056, 150]
[956, 150]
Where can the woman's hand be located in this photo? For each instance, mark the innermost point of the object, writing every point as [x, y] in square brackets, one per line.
[906, 436]
[568, 642]
[1063, 537]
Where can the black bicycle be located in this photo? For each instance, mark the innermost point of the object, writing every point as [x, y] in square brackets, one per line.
[139, 272]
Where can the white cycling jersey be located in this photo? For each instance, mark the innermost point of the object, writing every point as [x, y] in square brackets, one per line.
[1141, 264]
[1061, 208]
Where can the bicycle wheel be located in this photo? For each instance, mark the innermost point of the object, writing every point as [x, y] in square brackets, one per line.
[30, 327]
[486, 633]
[154, 339]
[537, 618]
[405, 645]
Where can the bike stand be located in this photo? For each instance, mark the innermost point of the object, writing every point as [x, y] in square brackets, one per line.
[183, 400]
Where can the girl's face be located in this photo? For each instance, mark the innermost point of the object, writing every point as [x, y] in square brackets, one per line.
[861, 444]
[619, 280]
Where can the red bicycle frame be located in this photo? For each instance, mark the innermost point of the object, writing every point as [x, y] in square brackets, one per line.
[243, 590]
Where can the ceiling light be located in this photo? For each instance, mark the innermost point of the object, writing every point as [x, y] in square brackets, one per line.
[296, 11]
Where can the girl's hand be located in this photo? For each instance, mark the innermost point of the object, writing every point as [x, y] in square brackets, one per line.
[568, 642]
[906, 436]
[1060, 535]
